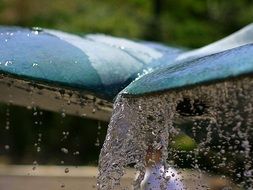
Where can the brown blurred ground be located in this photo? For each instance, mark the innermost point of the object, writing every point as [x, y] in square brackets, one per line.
[83, 178]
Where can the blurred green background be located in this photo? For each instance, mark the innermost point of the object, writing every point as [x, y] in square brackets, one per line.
[187, 23]
[190, 23]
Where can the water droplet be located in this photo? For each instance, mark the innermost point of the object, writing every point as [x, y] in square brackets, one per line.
[29, 107]
[64, 150]
[38, 149]
[8, 63]
[36, 30]
[6, 147]
[35, 64]
[35, 162]
[97, 142]
[63, 114]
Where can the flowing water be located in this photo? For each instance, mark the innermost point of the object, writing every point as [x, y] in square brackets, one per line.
[218, 118]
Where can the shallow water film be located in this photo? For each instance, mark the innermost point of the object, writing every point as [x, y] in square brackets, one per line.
[192, 134]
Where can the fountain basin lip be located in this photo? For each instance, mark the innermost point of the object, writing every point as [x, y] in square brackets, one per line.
[229, 64]
[102, 65]
[38, 56]
[21, 92]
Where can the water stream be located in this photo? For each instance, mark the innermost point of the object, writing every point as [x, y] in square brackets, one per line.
[217, 117]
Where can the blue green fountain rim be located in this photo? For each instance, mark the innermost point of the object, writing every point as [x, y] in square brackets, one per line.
[228, 64]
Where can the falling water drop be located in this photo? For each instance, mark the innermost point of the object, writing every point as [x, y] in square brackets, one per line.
[64, 150]
[63, 114]
[76, 153]
[97, 143]
[6, 147]
[7, 123]
[38, 149]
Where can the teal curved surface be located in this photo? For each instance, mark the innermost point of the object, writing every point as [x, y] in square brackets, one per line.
[101, 65]
[151, 54]
[231, 63]
[39, 56]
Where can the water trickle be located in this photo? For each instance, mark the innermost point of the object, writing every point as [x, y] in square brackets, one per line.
[38, 122]
[217, 118]
[97, 143]
[7, 124]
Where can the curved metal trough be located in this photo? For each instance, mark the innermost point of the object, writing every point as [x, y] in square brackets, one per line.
[58, 71]
[82, 75]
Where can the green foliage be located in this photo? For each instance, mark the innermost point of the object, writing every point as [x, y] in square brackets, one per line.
[190, 23]
[183, 143]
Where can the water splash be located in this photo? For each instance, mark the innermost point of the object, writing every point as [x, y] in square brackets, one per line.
[218, 117]
[7, 125]
[97, 143]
